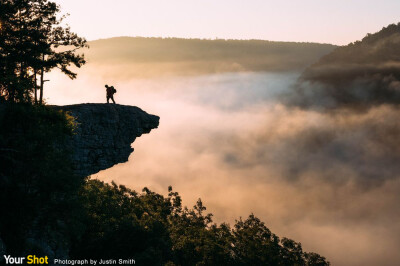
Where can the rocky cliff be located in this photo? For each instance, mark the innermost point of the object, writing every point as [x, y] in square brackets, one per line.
[104, 134]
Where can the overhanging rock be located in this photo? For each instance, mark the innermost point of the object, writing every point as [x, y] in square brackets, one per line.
[104, 134]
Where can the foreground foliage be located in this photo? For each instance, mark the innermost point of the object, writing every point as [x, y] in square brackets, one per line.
[157, 230]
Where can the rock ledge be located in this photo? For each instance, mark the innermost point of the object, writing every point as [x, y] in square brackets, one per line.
[104, 134]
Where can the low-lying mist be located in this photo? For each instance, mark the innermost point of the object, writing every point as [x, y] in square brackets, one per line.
[330, 180]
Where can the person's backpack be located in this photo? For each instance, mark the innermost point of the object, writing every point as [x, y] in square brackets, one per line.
[113, 89]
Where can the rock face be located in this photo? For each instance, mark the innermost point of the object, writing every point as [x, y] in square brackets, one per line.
[105, 133]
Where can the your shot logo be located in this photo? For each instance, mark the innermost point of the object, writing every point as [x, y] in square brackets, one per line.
[30, 259]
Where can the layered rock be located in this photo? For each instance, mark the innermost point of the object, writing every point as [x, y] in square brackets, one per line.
[104, 134]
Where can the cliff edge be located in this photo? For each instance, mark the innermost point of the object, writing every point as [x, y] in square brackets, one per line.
[104, 134]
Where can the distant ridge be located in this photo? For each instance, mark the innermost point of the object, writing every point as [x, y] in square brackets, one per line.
[195, 56]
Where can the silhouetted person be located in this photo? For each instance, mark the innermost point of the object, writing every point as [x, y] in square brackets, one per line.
[110, 93]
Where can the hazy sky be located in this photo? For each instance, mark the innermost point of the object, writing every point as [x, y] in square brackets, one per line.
[337, 22]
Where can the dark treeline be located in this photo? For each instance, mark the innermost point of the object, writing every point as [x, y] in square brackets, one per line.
[158, 230]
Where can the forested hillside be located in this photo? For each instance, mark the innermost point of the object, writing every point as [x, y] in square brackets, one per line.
[155, 56]
[362, 74]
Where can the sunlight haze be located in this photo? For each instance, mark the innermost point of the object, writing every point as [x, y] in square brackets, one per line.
[336, 22]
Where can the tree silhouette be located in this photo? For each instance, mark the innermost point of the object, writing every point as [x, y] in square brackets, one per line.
[32, 42]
